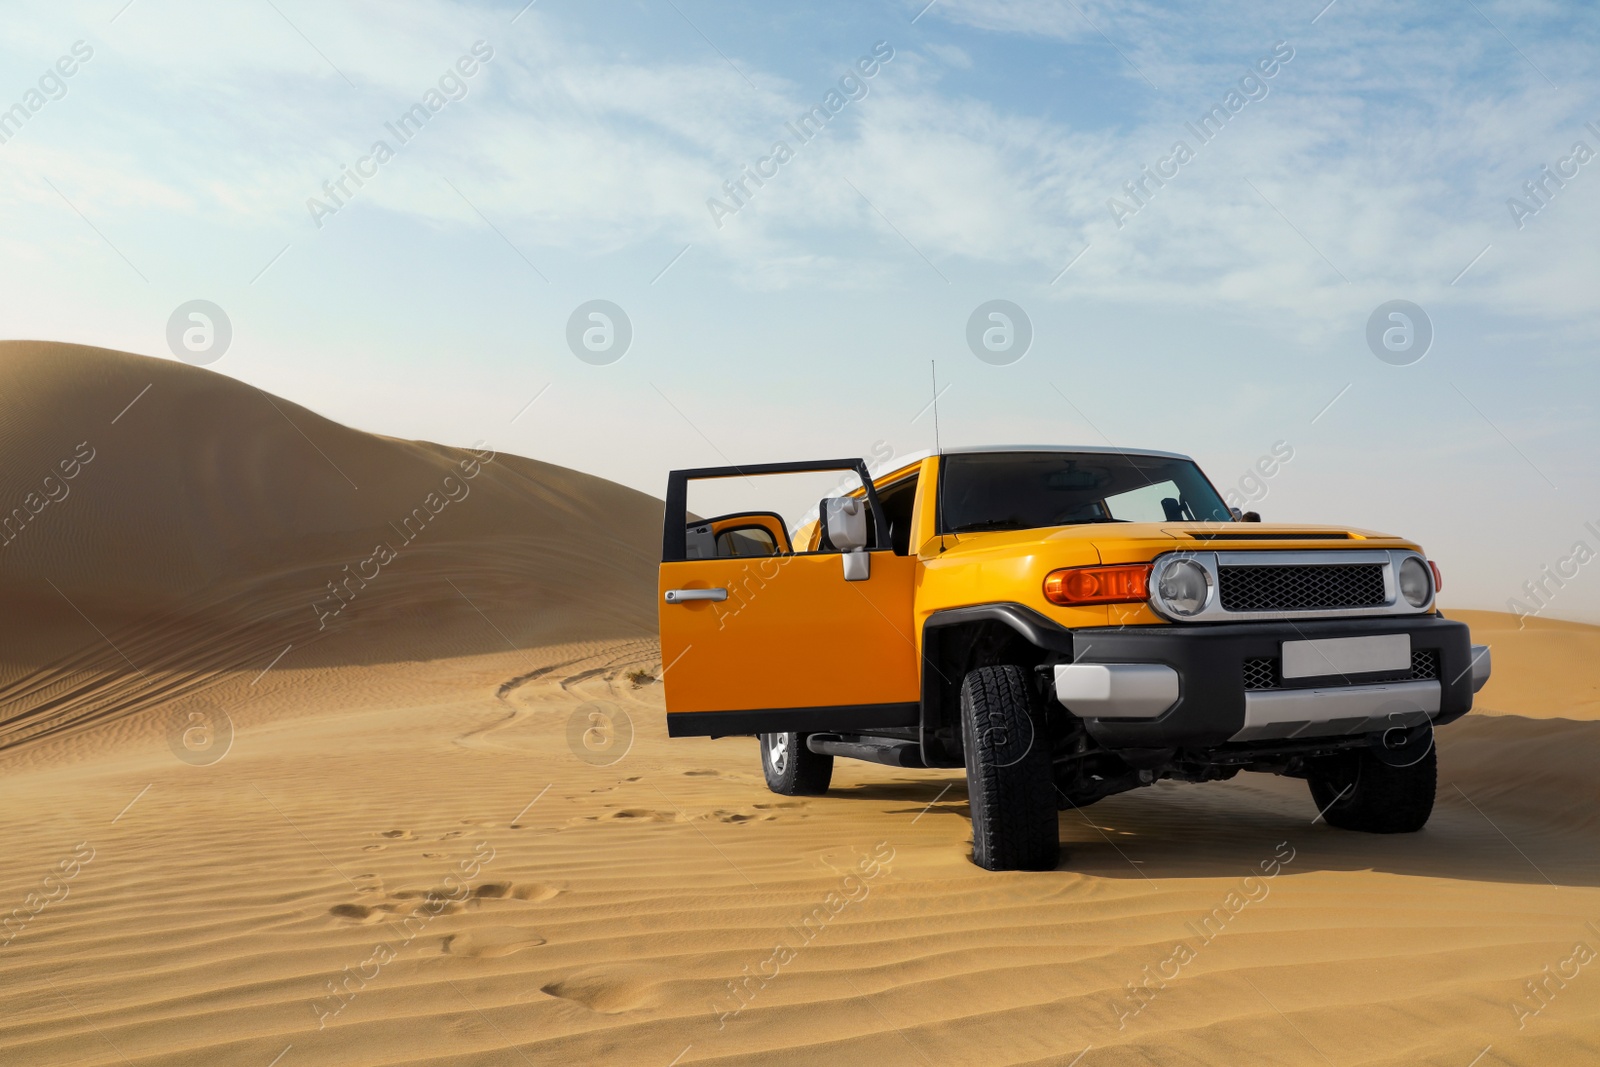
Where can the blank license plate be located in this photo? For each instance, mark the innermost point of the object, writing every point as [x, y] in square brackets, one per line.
[1346, 655]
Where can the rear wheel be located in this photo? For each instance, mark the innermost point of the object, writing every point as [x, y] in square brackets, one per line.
[1358, 791]
[1009, 781]
[791, 768]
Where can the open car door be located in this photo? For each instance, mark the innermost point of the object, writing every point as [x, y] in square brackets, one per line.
[759, 635]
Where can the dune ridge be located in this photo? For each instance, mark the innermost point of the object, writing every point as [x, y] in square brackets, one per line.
[208, 525]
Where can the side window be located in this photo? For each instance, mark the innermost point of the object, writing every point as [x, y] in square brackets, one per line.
[763, 510]
[742, 541]
[898, 500]
[737, 536]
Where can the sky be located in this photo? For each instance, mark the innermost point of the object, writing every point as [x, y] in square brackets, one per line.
[1343, 261]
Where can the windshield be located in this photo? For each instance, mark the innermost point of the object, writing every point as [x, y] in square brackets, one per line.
[1028, 490]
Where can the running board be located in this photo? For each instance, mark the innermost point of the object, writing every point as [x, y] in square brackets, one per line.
[888, 752]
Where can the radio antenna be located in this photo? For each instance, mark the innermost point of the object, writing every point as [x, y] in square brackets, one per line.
[933, 372]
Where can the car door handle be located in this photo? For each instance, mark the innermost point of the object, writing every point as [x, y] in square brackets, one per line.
[680, 596]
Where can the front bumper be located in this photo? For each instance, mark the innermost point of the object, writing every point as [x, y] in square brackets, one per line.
[1202, 686]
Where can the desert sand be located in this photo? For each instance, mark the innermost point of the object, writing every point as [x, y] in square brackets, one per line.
[433, 837]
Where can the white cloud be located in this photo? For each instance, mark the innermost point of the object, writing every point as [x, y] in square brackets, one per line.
[564, 147]
[950, 55]
[1045, 18]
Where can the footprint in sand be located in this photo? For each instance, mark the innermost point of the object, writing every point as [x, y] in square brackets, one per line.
[535, 894]
[531, 893]
[443, 894]
[397, 835]
[489, 942]
[443, 901]
[373, 848]
[422, 901]
[701, 774]
[722, 815]
[610, 990]
[636, 815]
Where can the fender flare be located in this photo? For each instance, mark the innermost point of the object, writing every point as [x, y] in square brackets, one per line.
[1030, 625]
[1035, 628]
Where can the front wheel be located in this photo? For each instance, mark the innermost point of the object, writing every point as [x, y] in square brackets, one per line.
[791, 768]
[1009, 782]
[1358, 791]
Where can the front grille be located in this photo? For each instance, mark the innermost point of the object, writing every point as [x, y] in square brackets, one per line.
[1261, 673]
[1302, 587]
[1424, 663]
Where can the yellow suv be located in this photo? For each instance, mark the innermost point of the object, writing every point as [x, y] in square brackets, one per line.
[1065, 623]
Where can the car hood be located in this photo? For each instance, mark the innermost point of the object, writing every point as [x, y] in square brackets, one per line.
[1135, 542]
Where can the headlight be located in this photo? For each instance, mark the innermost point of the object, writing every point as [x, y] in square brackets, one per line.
[1183, 587]
[1414, 584]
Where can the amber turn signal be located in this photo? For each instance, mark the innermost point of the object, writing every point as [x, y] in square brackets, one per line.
[1438, 579]
[1122, 584]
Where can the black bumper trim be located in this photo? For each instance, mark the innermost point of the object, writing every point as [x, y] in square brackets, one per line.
[834, 719]
[1209, 661]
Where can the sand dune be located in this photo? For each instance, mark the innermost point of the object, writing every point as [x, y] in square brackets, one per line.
[1543, 668]
[172, 521]
[417, 851]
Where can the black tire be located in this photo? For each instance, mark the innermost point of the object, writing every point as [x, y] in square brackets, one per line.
[1358, 791]
[1009, 781]
[791, 768]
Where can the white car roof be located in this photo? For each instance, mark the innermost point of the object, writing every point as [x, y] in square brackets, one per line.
[894, 463]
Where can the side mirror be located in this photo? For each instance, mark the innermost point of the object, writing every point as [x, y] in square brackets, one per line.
[700, 542]
[1244, 516]
[846, 522]
[846, 517]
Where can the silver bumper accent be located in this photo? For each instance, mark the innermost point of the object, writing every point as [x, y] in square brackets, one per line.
[1481, 666]
[1347, 709]
[1116, 690]
[1346, 655]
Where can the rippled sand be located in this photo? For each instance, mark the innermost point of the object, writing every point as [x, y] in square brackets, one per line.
[451, 830]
